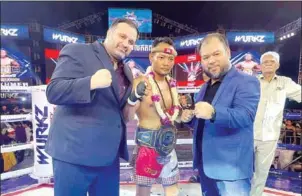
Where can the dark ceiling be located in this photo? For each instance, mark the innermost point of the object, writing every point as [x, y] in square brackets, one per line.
[205, 16]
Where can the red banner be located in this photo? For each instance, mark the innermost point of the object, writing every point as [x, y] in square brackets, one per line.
[188, 73]
[51, 56]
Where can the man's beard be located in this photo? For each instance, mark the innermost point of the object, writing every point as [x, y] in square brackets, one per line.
[217, 76]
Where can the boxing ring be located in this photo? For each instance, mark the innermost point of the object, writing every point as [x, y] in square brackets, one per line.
[41, 170]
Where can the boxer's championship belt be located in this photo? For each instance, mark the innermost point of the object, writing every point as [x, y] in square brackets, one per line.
[162, 140]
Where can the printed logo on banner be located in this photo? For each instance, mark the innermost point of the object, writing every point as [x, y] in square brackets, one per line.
[9, 32]
[14, 31]
[54, 36]
[190, 42]
[250, 37]
[42, 126]
[64, 38]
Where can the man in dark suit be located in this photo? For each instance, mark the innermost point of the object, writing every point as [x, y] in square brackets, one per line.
[90, 86]
[225, 110]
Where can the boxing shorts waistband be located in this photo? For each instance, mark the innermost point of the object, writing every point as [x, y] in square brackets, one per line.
[162, 140]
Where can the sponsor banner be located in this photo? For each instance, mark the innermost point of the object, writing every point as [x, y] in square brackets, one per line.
[61, 37]
[188, 73]
[14, 31]
[16, 67]
[42, 113]
[188, 42]
[244, 38]
[250, 38]
[141, 17]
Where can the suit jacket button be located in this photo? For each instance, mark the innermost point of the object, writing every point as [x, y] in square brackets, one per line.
[118, 126]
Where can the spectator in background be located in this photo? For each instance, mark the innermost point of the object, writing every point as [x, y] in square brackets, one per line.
[4, 110]
[9, 158]
[274, 92]
[16, 109]
[28, 132]
[289, 133]
[298, 133]
[7, 136]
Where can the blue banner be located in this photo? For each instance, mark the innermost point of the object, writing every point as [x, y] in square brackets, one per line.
[16, 68]
[250, 37]
[188, 42]
[14, 31]
[142, 17]
[55, 36]
[141, 46]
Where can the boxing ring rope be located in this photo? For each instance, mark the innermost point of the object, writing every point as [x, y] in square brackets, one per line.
[42, 111]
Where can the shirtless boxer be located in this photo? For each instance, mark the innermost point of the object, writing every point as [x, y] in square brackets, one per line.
[8, 66]
[157, 110]
[248, 65]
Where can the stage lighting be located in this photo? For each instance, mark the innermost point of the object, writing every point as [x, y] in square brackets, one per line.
[292, 34]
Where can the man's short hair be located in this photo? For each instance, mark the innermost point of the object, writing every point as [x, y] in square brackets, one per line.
[127, 21]
[275, 55]
[222, 38]
[159, 40]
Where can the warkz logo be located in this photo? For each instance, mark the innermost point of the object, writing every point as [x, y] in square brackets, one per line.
[190, 42]
[64, 38]
[9, 32]
[41, 138]
[250, 38]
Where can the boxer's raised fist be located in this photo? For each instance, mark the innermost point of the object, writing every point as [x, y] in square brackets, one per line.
[101, 79]
[141, 89]
[138, 92]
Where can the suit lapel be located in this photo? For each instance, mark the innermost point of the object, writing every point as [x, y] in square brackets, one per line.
[129, 75]
[223, 86]
[104, 57]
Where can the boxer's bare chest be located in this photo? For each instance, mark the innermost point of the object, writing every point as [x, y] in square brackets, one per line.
[164, 93]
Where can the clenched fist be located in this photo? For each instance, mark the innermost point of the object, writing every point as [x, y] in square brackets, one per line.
[204, 110]
[186, 115]
[101, 79]
[140, 89]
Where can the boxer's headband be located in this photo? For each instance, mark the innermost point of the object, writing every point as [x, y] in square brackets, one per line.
[164, 50]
